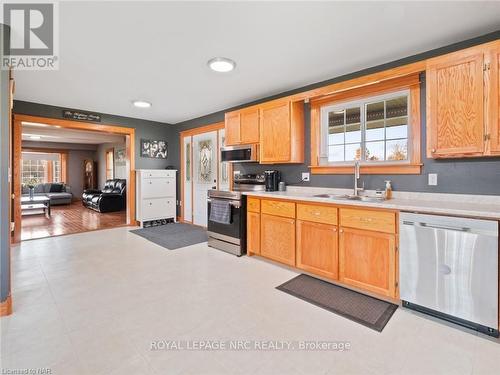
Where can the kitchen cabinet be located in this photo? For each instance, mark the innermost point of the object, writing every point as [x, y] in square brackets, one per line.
[493, 62]
[242, 127]
[277, 239]
[367, 260]
[462, 103]
[253, 233]
[282, 132]
[317, 248]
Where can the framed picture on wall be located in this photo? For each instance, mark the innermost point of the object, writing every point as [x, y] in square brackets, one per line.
[120, 156]
[154, 149]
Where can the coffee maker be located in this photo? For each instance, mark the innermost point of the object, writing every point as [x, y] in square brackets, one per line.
[272, 179]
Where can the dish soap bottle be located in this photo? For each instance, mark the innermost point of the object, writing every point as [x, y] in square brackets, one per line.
[388, 190]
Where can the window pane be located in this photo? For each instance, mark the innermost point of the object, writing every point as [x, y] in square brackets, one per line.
[392, 132]
[397, 150]
[375, 121]
[353, 125]
[336, 139]
[353, 151]
[374, 151]
[336, 153]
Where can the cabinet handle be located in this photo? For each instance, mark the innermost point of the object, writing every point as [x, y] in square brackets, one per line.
[317, 213]
[341, 231]
[334, 229]
[433, 150]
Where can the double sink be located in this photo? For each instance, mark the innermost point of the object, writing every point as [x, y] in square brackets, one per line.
[347, 197]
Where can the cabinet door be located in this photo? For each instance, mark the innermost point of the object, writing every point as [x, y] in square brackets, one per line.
[367, 260]
[455, 112]
[275, 136]
[277, 239]
[494, 101]
[317, 249]
[232, 126]
[249, 127]
[253, 232]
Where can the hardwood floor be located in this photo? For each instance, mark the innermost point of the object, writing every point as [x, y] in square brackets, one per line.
[69, 219]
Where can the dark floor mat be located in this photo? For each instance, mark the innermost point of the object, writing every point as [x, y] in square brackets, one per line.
[368, 311]
[173, 236]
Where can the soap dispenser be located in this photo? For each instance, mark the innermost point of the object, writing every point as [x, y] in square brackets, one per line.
[388, 189]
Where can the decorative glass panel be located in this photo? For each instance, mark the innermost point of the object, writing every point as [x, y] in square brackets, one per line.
[188, 162]
[205, 160]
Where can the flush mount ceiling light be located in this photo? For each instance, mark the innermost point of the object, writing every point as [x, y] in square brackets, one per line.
[221, 64]
[141, 104]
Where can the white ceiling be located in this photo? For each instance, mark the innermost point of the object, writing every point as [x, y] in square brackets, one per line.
[50, 133]
[114, 52]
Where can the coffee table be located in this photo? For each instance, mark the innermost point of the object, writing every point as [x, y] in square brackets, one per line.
[37, 203]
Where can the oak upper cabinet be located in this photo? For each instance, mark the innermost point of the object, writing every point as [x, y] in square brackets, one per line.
[282, 132]
[232, 128]
[242, 127]
[493, 64]
[462, 103]
[367, 260]
[317, 250]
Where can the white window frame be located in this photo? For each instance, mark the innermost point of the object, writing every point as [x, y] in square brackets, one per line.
[362, 103]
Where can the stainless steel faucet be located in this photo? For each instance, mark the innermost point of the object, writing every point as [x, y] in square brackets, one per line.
[356, 178]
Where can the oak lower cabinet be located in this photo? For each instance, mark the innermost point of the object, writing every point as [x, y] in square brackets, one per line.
[253, 233]
[277, 238]
[317, 249]
[367, 260]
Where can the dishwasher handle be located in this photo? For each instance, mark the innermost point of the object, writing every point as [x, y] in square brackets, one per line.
[437, 226]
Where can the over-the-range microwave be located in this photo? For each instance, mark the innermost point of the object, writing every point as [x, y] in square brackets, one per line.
[239, 154]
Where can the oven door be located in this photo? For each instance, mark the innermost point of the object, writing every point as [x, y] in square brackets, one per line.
[233, 229]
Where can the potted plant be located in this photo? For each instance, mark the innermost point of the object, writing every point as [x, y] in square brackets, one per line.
[30, 184]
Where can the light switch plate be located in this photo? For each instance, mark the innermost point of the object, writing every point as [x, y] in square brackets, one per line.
[305, 176]
[433, 179]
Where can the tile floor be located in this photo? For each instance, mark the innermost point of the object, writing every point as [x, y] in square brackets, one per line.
[92, 303]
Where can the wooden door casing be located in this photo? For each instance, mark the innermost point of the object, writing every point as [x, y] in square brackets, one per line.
[455, 112]
[253, 233]
[317, 248]
[367, 260]
[277, 238]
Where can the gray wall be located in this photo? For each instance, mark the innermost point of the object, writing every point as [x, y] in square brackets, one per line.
[77, 153]
[4, 180]
[473, 176]
[143, 129]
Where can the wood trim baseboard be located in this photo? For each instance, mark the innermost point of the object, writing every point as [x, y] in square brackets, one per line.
[6, 306]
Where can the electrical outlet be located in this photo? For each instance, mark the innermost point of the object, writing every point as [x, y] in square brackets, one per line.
[433, 179]
[305, 176]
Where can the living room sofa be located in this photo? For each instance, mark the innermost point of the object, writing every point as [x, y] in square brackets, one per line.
[58, 192]
[110, 199]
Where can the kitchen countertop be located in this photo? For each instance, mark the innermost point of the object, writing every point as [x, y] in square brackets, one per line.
[476, 206]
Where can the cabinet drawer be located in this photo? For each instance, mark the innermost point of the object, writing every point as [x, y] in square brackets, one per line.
[158, 187]
[253, 204]
[158, 208]
[278, 208]
[160, 173]
[380, 221]
[317, 214]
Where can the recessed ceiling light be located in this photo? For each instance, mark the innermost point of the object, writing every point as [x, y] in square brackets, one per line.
[221, 64]
[141, 104]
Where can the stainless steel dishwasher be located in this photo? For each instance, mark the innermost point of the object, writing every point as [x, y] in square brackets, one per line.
[449, 269]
